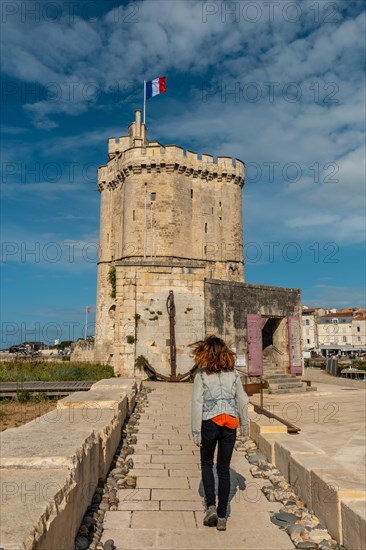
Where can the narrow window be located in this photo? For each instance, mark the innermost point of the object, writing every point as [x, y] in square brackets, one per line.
[219, 203]
[133, 215]
[191, 193]
[358, 329]
[220, 218]
[107, 237]
[211, 210]
[205, 250]
[205, 227]
[153, 197]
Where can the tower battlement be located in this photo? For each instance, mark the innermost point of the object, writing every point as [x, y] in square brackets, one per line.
[135, 154]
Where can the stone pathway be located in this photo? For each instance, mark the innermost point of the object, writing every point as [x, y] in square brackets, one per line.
[165, 510]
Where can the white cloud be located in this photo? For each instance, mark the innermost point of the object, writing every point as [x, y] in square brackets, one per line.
[323, 133]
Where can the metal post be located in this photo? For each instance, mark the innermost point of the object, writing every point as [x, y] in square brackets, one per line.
[173, 351]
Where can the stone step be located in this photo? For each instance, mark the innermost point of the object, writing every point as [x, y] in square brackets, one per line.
[281, 376]
[285, 386]
[287, 390]
[281, 379]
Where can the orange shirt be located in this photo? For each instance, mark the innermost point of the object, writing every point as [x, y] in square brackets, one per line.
[226, 420]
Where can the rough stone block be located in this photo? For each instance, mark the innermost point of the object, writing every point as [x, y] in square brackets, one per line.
[300, 466]
[37, 504]
[328, 489]
[354, 523]
[263, 424]
[286, 446]
[266, 445]
[96, 399]
[60, 456]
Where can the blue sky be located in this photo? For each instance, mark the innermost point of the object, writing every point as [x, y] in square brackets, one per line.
[279, 85]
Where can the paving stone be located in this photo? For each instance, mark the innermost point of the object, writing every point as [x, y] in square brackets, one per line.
[174, 494]
[117, 520]
[134, 494]
[193, 505]
[139, 505]
[148, 472]
[148, 465]
[173, 447]
[166, 520]
[143, 437]
[141, 459]
[185, 539]
[179, 452]
[167, 507]
[169, 459]
[148, 451]
[179, 466]
[183, 472]
[162, 483]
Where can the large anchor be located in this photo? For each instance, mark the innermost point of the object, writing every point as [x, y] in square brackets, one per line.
[170, 306]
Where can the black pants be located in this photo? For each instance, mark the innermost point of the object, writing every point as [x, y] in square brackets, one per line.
[225, 437]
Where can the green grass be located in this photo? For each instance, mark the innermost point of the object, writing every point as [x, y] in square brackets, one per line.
[24, 371]
[359, 364]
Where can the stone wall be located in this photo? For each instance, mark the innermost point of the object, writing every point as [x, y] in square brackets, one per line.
[336, 494]
[228, 303]
[50, 467]
[141, 313]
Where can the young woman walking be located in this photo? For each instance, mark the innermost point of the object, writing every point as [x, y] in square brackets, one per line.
[219, 406]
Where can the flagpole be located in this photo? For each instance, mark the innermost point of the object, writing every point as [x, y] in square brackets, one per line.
[86, 322]
[144, 101]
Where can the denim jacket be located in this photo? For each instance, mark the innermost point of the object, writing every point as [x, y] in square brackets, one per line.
[215, 394]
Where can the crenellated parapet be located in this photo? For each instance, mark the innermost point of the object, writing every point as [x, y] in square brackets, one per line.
[156, 158]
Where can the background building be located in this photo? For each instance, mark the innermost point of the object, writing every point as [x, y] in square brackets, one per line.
[342, 331]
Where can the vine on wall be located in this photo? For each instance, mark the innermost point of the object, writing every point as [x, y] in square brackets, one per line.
[112, 280]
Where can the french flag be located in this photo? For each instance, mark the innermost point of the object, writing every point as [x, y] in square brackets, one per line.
[155, 87]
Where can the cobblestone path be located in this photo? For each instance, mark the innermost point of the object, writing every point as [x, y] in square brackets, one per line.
[166, 510]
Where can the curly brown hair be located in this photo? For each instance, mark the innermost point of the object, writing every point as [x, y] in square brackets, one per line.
[213, 355]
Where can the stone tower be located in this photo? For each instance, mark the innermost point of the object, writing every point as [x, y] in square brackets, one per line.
[169, 220]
